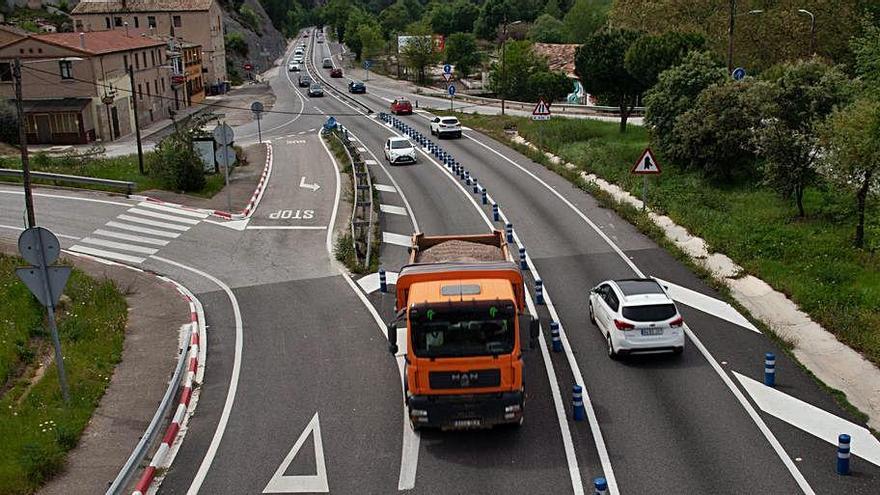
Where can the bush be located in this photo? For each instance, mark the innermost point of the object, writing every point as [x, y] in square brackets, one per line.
[250, 18]
[8, 123]
[177, 165]
[235, 43]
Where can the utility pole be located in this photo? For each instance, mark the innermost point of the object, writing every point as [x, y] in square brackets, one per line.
[812, 29]
[137, 125]
[730, 27]
[503, 70]
[22, 143]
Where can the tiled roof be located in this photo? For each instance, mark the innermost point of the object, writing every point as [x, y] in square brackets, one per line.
[559, 56]
[100, 42]
[116, 6]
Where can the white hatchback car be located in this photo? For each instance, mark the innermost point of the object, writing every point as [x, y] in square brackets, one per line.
[399, 150]
[445, 126]
[294, 67]
[636, 315]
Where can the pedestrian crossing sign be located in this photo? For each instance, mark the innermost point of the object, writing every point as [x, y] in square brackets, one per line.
[541, 111]
[647, 164]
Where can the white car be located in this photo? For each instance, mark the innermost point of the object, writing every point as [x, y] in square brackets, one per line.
[445, 126]
[399, 150]
[298, 59]
[636, 315]
[298, 51]
[294, 67]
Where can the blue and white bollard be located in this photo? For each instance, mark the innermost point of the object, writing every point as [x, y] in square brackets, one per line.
[579, 413]
[770, 369]
[539, 292]
[843, 454]
[509, 230]
[476, 186]
[554, 336]
[383, 282]
[522, 259]
[496, 212]
[600, 486]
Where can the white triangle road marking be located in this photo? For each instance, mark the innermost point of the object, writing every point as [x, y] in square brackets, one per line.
[232, 224]
[310, 483]
[707, 304]
[370, 283]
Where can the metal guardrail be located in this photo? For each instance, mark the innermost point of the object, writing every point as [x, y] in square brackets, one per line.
[126, 186]
[362, 212]
[133, 464]
[562, 108]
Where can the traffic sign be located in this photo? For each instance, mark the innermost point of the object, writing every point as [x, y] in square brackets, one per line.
[541, 111]
[248, 67]
[330, 124]
[739, 74]
[447, 69]
[257, 108]
[224, 134]
[447, 76]
[451, 90]
[647, 164]
[29, 246]
[367, 64]
[225, 155]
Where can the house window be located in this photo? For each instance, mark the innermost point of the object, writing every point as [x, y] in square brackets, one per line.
[107, 21]
[117, 21]
[5, 72]
[67, 123]
[137, 61]
[163, 85]
[177, 22]
[156, 86]
[144, 55]
[125, 61]
[66, 67]
[79, 26]
[151, 21]
[140, 92]
[136, 23]
[153, 57]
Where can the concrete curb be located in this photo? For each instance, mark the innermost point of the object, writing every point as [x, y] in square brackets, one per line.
[833, 362]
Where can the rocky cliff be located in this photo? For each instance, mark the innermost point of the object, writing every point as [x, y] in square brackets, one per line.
[250, 38]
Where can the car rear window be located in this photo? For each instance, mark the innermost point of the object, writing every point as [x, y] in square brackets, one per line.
[636, 287]
[403, 102]
[650, 312]
[452, 121]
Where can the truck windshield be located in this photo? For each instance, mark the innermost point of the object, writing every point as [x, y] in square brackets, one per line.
[463, 329]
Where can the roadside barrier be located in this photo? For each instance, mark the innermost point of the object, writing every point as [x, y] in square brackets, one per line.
[383, 281]
[477, 187]
[539, 292]
[600, 486]
[522, 259]
[554, 335]
[770, 369]
[579, 413]
[496, 214]
[509, 231]
[843, 441]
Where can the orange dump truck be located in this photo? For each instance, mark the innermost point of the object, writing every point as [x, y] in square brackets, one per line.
[463, 301]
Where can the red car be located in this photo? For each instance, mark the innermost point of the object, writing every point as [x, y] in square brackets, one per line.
[336, 72]
[401, 106]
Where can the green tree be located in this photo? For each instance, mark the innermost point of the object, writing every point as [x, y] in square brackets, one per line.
[552, 9]
[526, 75]
[492, 15]
[357, 18]
[235, 43]
[852, 138]
[651, 55]
[176, 163]
[372, 43]
[394, 19]
[464, 14]
[250, 18]
[461, 51]
[547, 29]
[551, 86]
[418, 53]
[866, 48]
[798, 100]
[8, 123]
[335, 14]
[585, 18]
[440, 16]
[675, 92]
[600, 64]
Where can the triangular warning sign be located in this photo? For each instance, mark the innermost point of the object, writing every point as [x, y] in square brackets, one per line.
[542, 108]
[647, 164]
[317, 483]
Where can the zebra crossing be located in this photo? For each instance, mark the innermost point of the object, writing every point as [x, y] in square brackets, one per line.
[138, 232]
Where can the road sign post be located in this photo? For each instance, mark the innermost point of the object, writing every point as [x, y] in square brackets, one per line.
[645, 166]
[367, 64]
[224, 136]
[451, 91]
[257, 108]
[41, 248]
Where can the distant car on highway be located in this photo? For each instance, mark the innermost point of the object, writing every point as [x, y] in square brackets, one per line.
[337, 72]
[294, 67]
[445, 126]
[304, 81]
[299, 50]
[320, 40]
[327, 63]
[316, 90]
[298, 59]
[399, 151]
[357, 87]
[636, 315]
[401, 106]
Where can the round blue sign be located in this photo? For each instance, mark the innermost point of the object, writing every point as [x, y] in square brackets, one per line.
[451, 90]
[447, 68]
[330, 124]
[739, 74]
[368, 64]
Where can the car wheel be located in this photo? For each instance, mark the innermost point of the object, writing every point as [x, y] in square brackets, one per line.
[592, 316]
[611, 352]
[678, 351]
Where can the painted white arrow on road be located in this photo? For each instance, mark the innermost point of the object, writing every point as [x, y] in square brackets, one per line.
[313, 187]
[706, 304]
[309, 483]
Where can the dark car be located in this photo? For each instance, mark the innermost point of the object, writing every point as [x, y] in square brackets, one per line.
[336, 72]
[316, 90]
[305, 81]
[357, 87]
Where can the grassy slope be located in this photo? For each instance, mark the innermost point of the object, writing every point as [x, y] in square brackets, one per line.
[812, 260]
[36, 429]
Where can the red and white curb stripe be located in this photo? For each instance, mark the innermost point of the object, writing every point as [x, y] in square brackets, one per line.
[248, 210]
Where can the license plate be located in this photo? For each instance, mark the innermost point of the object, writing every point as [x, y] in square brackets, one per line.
[652, 331]
[467, 423]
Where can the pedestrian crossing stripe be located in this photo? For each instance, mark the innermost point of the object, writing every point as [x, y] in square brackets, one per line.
[646, 165]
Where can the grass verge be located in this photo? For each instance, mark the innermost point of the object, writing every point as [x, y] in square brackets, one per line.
[36, 428]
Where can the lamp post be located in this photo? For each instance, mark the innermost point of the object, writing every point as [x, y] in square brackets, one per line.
[812, 29]
[503, 72]
[730, 28]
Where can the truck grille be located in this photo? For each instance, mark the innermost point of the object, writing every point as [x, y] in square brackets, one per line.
[465, 379]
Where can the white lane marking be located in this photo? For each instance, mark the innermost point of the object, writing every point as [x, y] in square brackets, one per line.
[233, 379]
[706, 304]
[106, 254]
[286, 227]
[370, 283]
[129, 237]
[21, 229]
[361, 149]
[302, 107]
[329, 242]
[385, 188]
[119, 245]
[398, 239]
[232, 224]
[163, 216]
[371, 162]
[811, 419]
[73, 198]
[304, 483]
[394, 210]
[142, 230]
[176, 211]
[153, 223]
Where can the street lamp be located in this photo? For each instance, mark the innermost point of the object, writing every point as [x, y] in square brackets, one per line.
[812, 29]
[503, 73]
[730, 29]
